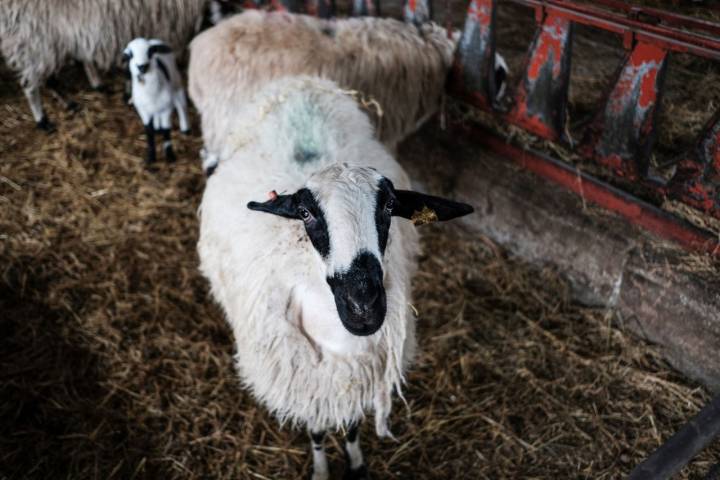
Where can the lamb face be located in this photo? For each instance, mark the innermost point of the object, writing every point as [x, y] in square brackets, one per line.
[347, 212]
[139, 54]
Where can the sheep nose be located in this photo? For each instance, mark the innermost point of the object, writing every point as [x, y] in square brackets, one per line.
[363, 305]
[144, 67]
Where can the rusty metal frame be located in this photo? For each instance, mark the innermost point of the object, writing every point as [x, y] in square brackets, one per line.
[622, 135]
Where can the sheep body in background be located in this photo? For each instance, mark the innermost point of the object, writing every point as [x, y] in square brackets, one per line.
[318, 292]
[38, 37]
[156, 91]
[402, 67]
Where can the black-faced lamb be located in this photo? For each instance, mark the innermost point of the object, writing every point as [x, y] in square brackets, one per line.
[314, 276]
[38, 37]
[157, 90]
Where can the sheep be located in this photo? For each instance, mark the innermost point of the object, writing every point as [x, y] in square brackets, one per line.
[401, 67]
[37, 37]
[315, 281]
[398, 70]
[156, 90]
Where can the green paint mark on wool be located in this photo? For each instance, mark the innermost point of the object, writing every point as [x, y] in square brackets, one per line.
[307, 125]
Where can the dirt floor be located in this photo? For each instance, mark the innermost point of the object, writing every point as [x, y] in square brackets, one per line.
[115, 363]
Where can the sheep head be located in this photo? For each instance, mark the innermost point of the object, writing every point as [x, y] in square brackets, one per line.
[347, 211]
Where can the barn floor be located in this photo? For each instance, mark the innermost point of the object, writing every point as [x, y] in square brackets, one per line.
[114, 362]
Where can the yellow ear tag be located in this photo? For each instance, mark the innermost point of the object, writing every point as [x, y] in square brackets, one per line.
[424, 216]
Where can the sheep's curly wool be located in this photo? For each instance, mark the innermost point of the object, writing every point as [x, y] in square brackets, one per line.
[267, 276]
[401, 66]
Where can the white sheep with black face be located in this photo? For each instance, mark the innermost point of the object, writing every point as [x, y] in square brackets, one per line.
[314, 277]
[157, 90]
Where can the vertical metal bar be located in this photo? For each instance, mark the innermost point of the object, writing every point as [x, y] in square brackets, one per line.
[474, 68]
[623, 134]
[366, 8]
[697, 178]
[681, 447]
[541, 98]
[418, 12]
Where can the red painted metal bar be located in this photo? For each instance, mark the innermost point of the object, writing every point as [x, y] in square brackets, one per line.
[697, 180]
[541, 98]
[670, 39]
[623, 134]
[650, 217]
[473, 72]
[418, 11]
[649, 15]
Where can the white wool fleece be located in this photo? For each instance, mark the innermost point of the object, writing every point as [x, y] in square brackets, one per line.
[270, 280]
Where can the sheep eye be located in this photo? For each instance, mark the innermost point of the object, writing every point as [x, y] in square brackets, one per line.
[304, 214]
[390, 205]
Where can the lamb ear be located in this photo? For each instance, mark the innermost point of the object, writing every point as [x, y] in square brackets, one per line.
[282, 205]
[422, 209]
[158, 48]
[126, 55]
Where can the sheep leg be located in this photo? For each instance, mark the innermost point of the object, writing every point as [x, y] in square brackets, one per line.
[355, 468]
[41, 120]
[93, 77]
[150, 132]
[167, 146]
[181, 106]
[320, 464]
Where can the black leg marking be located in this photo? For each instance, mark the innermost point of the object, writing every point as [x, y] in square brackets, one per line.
[320, 466]
[360, 472]
[45, 124]
[167, 146]
[317, 438]
[352, 433]
[150, 132]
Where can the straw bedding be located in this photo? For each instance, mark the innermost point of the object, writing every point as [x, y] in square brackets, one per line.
[114, 363]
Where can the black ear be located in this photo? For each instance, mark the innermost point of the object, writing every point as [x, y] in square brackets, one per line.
[283, 205]
[126, 56]
[421, 208]
[158, 48]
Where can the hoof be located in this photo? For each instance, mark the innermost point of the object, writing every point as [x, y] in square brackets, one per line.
[360, 473]
[170, 156]
[102, 88]
[186, 132]
[210, 170]
[72, 106]
[46, 125]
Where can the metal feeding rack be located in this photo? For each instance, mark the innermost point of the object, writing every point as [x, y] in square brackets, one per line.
[620, 138]
[622, 134]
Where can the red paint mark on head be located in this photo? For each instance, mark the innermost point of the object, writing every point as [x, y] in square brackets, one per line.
[272, 194]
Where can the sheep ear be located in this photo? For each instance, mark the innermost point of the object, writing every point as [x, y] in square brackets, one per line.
[158, 48]
[282, 205]
[422, 209]
[126, 56]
